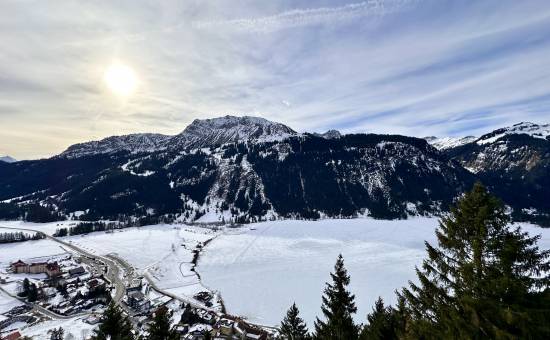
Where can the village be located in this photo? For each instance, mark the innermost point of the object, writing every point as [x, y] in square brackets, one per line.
[76, 286]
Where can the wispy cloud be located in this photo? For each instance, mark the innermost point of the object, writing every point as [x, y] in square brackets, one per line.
[439, 67]
[309, 16]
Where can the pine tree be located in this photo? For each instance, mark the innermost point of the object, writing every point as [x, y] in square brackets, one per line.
[485, 278]
[160, 328]
[381, 323]
[25, 287]
[57, 333]
[293, 326]
[32, 295]
[114, 325]
[338, 307]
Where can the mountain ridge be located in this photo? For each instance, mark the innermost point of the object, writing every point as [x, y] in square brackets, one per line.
[244, 169]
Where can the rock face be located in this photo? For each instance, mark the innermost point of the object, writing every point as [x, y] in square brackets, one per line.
[199, 134]
[246, 169]
[515, 163]
[330, 134]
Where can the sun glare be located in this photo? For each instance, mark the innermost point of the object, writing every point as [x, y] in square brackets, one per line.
[120, 79]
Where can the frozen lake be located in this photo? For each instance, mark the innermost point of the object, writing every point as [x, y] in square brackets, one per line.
[262, 269]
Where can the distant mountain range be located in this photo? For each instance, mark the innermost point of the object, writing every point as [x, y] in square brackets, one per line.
[7, 159]
[248, 168]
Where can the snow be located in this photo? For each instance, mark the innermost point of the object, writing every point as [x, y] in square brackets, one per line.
[75, 328]
[531, 129]
[7, 303]
[7, 159]
[443, 143]
[47, 228]
[261, 270]
[163, 252]
[28, 251]
[199, 134]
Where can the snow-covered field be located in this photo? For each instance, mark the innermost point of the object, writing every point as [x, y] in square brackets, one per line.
[164, 252]
[27, 251]
[75, 328]
[260, 270]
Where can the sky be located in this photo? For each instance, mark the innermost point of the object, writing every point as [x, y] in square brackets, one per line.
[413, 67]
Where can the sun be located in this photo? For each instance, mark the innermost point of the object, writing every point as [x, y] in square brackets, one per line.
[120, 79]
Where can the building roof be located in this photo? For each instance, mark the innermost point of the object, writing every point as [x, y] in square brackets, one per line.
[12, 336]
[19, 263]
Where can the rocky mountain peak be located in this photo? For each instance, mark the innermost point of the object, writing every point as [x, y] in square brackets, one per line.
[528, 128]
[443, 143]
[330, 134]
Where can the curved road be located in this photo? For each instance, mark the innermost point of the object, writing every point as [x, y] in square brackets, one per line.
[113, 271]
[114, 265]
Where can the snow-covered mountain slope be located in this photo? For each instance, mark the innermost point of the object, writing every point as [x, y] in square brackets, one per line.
[329, 134]
[444, 143]
[515, 162]
[300, 176]
[7, 159]
[248, 168]
[217, 131]
[134, 143]
[199, 134]
[527, 128]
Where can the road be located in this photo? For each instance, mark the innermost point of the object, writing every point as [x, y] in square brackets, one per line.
[113, 273]
[42, 310]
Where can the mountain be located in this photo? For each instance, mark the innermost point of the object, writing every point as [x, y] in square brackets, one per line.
[444, 143]
[7, 159]
[134, 143]
[247, 169]
[515, 162]
[329, 134]
[199, 134]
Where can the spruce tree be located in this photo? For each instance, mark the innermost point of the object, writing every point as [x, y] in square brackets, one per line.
[114, 325]
[382, 323]
[293, 326]
[160, 328]
[56, 333]
[485, 279]
[338, 307]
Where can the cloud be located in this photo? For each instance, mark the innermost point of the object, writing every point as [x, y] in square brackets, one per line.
[308, 17]
[437, 67]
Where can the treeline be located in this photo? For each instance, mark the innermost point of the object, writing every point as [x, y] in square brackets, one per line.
[483, 280]
[126, 222]
[30, 213]
[19, 236]
[87, 227]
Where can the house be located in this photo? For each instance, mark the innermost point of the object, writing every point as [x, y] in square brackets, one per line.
[135, 285]
[19, 267]
[247, 332]
[53, 270]
[225, 327]
[77, 271]
[33, 268]
[37, 268]
[138, 302]
[12, 336]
